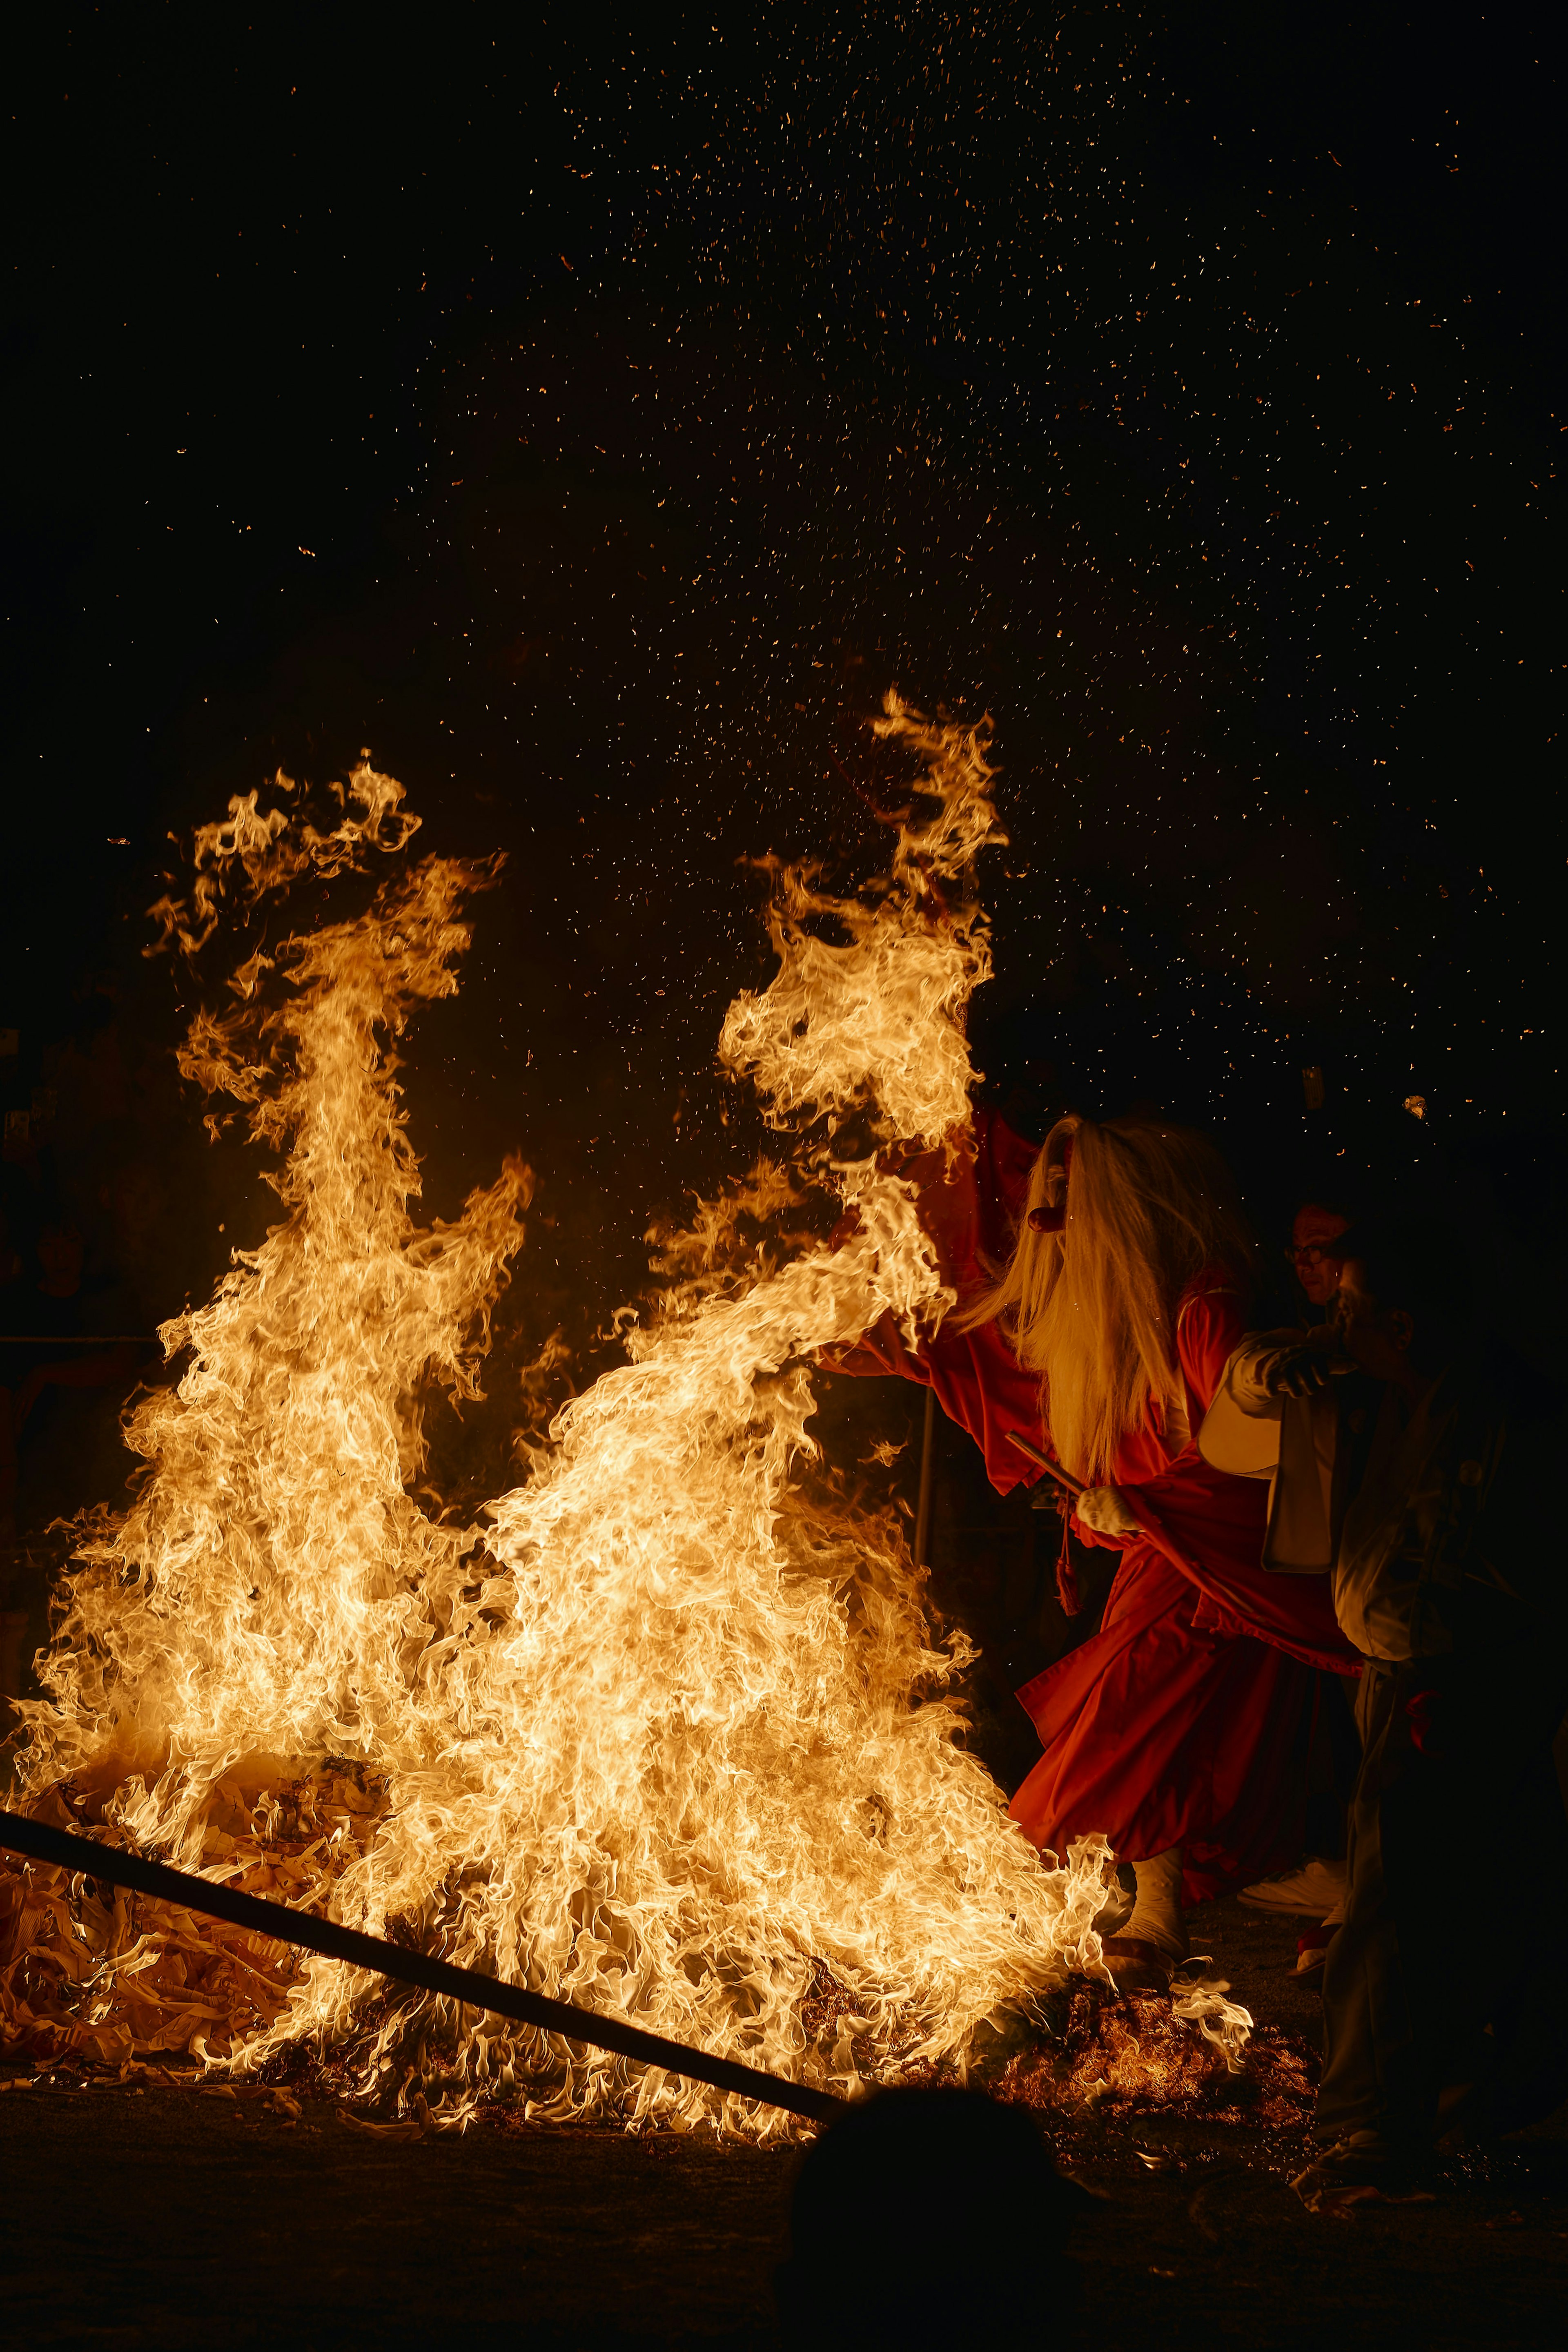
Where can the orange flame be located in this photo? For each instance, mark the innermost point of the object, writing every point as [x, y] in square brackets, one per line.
[670, 1736]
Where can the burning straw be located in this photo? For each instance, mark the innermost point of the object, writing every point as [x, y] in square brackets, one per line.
[668, 1735]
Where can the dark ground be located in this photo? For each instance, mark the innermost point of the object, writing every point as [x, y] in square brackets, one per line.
[174, 2217]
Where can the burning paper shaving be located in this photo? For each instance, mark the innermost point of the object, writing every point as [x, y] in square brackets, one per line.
[1202, 2002]
[95, 1974]
[669, 1733]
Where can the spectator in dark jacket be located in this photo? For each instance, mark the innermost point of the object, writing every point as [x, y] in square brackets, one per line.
[1438, 1485]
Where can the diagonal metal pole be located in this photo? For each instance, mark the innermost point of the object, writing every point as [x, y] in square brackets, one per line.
[41, 1842]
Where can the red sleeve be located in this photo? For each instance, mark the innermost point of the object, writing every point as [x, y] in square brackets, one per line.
[1210, 1326]
[970, 1207]
[876, 1354]
[978, 1381]
[1004, 1163]
[971, 1199]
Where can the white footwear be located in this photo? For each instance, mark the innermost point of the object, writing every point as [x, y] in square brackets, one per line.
[1316, 1887]
[1115, 1911]
[1157, 1916]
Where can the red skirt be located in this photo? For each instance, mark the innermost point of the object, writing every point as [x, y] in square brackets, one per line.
[1168, 1728]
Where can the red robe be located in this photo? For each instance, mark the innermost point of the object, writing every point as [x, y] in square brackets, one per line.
[1175, 1723]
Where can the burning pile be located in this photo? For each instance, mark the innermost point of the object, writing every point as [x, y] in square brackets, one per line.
[666, 1735]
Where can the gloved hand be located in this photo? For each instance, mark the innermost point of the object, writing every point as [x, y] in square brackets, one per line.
[1304, 1369]
[1105, 1510]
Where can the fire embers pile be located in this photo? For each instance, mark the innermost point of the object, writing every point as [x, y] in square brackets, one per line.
[93, 1972]
[1137, 2053]
[87, 1971]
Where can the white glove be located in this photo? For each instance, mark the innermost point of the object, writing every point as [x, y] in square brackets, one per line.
[1104, 1509]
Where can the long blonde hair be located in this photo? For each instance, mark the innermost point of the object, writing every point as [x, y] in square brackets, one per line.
[1093, 1309]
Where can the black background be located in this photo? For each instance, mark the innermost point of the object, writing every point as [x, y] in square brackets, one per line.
[594, 417]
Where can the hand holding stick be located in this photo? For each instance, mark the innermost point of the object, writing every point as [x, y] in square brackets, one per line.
[1064, 1478]
[1307, 1369]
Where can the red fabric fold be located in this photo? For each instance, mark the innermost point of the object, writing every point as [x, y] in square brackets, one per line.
[970, 1205]
[1163, 1731]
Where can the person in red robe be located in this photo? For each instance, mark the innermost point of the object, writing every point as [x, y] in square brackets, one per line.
[1103, 1286]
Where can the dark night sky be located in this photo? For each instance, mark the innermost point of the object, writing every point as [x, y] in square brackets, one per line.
[596, 431]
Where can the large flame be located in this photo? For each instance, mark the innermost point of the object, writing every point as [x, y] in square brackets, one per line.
[667, 1735]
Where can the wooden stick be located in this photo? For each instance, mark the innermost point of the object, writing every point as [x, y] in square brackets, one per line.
[42, 1843]
[1043, 1462]
[927, 1469]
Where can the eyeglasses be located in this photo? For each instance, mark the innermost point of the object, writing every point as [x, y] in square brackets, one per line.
[1309, 1252]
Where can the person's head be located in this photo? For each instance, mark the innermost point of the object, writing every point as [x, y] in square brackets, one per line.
[1132, 1208]
[1316, 1225]
[924, 2218]
[1402, 1307]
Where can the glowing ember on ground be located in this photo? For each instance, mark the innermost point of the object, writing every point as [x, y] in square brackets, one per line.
[666, 1733]
[1135, 2055]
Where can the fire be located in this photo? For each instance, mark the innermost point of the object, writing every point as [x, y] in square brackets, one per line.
[669, 1733]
